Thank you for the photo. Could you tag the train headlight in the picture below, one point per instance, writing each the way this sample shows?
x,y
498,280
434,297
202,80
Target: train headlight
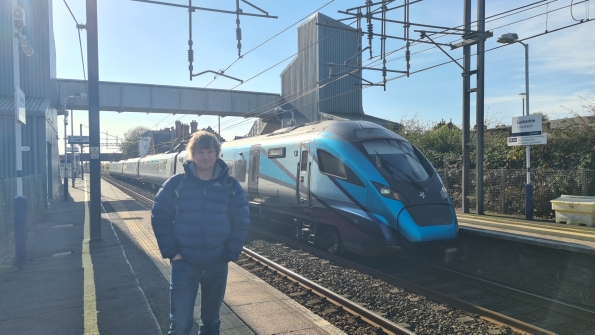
x,y
444,192
387,192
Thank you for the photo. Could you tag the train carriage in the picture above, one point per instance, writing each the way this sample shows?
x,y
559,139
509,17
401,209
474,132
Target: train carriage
x,y
346,184
343,185
154,170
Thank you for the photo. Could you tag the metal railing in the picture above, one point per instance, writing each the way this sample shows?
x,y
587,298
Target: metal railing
x,y
505,188
35,207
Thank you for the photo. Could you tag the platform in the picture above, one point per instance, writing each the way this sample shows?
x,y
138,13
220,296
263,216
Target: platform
x,y
542,233
120,284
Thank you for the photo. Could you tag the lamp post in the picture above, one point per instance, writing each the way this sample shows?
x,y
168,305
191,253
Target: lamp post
x,y
509,39
81,96
523,100
65,153
19,44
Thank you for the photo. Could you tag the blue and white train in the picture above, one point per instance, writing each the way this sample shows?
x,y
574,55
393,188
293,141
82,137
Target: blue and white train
x,y
343,185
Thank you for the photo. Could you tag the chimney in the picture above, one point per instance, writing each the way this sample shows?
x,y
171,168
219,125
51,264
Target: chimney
x,y
178,129
193,126
186,129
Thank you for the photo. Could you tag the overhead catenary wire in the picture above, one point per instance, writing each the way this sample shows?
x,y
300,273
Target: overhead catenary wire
x,y
498,27
78,28
495,17
220,95
244,121
500,14
421,70
241,57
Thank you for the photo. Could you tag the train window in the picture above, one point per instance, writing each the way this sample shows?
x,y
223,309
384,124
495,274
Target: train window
x,y
239,170
304,163
328,164
374,133
337,168
276,152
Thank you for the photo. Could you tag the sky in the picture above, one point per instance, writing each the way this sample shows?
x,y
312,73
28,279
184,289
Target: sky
x,y
147,43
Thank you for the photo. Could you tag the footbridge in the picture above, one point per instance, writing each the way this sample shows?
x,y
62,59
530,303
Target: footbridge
x,y
146,98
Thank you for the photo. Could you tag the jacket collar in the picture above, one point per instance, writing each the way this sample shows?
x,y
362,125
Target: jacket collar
x,y
220,173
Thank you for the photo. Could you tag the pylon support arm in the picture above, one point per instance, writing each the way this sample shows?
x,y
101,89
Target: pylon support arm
x,y
217,73
395,21
379,3
423,34
210,9
365,68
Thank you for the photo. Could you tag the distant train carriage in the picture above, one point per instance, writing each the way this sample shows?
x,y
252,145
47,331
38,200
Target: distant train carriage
x,y
156,169
130,169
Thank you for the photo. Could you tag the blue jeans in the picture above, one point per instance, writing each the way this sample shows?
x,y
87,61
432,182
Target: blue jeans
x,y
185,281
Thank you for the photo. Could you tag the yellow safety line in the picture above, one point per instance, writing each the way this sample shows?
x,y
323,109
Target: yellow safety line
x,y
566,231
89,297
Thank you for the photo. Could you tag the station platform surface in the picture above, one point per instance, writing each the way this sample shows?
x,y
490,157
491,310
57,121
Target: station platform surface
x,y
542,233
120,285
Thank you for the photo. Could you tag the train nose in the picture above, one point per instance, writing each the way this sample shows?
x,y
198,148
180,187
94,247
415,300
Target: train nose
x,y
427,222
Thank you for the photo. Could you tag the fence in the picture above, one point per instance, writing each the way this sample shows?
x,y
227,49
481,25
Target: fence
x,y
35,206
505,189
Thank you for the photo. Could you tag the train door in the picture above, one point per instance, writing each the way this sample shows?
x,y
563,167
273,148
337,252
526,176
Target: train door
x,y
254,174
303,190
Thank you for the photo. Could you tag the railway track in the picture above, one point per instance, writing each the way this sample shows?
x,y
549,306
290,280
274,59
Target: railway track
x,y
522,311
462,291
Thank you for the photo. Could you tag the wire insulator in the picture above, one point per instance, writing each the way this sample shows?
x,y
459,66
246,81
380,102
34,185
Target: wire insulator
x,y
407,55
370,36
191,56
239,34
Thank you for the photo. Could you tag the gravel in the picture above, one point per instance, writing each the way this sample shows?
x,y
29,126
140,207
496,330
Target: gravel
x,y
423,316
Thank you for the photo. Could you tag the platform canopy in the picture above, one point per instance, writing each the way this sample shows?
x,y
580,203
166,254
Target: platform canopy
x,y
145,98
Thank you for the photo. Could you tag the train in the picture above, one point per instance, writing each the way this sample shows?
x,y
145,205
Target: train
x,y
342,185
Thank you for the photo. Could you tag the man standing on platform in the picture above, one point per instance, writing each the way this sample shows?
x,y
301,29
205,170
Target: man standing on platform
x,y
200,218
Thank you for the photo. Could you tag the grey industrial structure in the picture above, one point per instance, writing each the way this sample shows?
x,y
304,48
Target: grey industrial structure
x,y
311,90
317,85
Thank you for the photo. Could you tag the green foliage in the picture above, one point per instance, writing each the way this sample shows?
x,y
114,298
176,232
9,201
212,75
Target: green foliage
x,y
440,143
571,143
129,146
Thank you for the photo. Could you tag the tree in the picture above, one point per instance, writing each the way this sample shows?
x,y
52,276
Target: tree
x,y
129,146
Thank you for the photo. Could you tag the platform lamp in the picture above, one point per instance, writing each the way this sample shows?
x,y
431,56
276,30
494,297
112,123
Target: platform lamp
x,y
509,39
79,96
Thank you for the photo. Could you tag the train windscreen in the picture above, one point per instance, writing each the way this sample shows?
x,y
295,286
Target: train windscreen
x,y
398,160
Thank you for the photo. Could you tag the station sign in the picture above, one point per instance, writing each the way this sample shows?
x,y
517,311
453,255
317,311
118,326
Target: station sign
x,y
527,125
69,149
78,139
527,140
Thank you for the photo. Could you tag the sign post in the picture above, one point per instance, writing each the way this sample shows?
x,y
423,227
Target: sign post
x,y
20,117
526,131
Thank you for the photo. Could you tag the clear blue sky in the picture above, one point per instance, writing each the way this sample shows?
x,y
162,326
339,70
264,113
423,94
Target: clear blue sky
x,y
147,43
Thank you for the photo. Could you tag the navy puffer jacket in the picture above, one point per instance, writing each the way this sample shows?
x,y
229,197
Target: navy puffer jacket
x,y
212,222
